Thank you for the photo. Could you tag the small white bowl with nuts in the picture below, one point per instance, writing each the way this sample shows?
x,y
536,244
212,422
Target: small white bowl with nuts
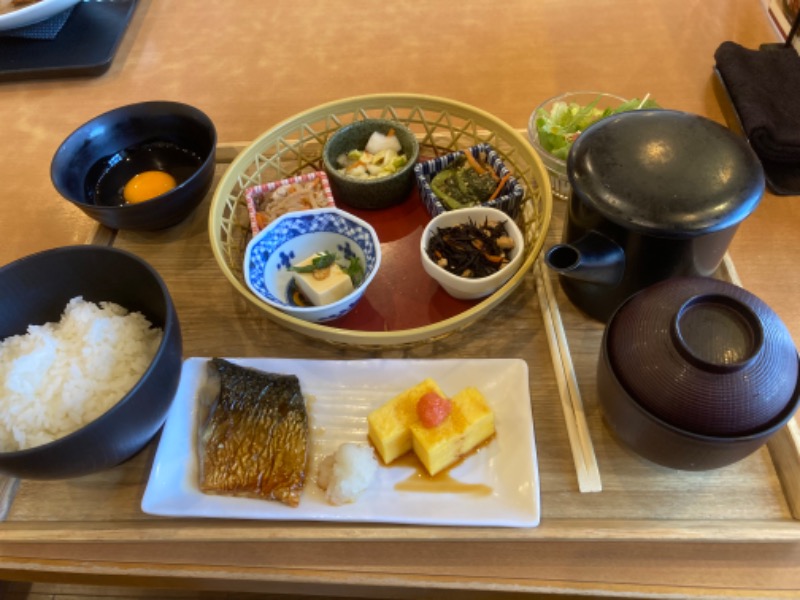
x,y
472,252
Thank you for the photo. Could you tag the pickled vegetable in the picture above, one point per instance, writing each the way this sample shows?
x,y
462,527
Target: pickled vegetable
x,y
382,156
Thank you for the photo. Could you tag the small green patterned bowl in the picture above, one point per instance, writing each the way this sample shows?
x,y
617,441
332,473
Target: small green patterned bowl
x,y
377,193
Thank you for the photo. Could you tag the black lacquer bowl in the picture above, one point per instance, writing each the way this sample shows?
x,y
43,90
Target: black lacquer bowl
x,y
92,166
34,290
696,373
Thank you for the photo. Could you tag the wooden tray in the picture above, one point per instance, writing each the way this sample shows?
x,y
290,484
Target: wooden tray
x,y
639,501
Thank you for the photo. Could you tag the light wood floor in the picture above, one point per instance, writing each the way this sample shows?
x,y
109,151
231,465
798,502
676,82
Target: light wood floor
x,y
49,591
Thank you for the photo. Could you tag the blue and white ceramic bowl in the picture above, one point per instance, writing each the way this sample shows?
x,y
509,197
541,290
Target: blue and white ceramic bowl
x,y
298,235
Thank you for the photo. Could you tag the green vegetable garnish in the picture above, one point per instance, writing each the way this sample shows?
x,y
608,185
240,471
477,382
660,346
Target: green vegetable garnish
x,y
352,267
559,128
320,261
355,270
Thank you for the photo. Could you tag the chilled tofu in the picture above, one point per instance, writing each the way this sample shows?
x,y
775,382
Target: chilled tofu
x,y
324,286
389,426
470,423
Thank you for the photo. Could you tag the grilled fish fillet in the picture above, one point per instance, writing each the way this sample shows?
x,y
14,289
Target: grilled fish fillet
x,y
254,440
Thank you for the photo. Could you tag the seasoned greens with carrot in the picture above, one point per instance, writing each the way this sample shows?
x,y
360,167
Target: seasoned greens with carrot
x,y
467,182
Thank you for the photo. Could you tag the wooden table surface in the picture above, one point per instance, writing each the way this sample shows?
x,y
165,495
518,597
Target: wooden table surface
x,y
251,64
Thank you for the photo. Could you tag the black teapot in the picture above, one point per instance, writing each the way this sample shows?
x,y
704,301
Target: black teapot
x,y
655,194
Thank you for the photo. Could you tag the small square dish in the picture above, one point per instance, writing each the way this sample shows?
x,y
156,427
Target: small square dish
x,y
496,485
438,199
268,201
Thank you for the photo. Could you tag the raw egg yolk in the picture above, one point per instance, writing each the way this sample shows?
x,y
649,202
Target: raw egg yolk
x,y
146,185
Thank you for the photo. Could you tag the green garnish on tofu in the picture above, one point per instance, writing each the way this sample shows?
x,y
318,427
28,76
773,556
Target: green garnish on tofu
x,y
323,260
352,267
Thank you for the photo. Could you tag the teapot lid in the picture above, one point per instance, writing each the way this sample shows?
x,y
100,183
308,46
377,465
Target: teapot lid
x,y
666,172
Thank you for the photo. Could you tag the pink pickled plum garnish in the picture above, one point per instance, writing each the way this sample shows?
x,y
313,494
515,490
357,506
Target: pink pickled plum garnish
x,y
432,409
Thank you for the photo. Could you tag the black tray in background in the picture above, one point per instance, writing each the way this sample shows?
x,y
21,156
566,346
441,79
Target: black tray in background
x,y
85,46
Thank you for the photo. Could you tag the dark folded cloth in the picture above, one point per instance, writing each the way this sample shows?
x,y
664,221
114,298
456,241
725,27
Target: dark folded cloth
x,y
764,86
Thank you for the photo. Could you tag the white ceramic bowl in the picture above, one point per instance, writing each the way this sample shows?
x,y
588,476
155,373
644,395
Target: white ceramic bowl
x,y
298,235
465,288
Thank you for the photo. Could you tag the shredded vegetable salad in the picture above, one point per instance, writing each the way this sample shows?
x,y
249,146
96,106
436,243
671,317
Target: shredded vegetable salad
x,y
560,127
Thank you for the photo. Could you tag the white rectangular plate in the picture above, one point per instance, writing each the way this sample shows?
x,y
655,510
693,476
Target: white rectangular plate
x,y
339,395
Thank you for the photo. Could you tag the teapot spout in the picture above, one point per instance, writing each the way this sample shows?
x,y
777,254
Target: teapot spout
x,y
594,258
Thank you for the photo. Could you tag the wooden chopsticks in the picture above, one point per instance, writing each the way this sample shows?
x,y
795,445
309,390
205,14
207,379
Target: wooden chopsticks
x,y
8,491
571,403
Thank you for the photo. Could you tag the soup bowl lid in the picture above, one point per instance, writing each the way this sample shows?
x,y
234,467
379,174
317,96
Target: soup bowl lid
x,y
704,355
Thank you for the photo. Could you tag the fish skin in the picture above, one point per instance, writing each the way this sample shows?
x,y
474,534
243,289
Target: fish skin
x,y
254,441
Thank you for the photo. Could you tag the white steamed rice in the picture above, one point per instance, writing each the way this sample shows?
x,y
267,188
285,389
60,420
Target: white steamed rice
x,y
59,376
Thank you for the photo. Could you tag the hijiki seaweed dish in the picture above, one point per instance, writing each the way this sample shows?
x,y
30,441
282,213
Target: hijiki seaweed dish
x,y
471,250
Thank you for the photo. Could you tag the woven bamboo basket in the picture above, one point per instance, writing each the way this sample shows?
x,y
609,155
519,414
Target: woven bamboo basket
x,y
295,146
